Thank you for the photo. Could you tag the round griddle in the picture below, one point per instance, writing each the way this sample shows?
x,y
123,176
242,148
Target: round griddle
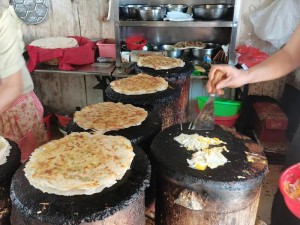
x,y
177,72
136,134
167,95
8,169
81,208
234,175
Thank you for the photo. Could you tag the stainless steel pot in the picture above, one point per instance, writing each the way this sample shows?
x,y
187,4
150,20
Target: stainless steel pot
x,y
210,11
130,11
169,50
210,49
175,8
151,13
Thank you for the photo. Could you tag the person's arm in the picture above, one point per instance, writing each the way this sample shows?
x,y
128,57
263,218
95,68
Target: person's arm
x,y
10,89
277,65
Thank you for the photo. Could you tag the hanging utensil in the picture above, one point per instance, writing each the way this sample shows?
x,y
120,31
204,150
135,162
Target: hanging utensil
x,y
31,12
205,119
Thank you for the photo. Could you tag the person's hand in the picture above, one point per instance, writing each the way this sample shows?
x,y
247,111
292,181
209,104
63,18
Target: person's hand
x,y
231,78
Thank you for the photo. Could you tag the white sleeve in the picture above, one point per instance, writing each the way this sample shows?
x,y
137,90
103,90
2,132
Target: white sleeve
x,y
11,43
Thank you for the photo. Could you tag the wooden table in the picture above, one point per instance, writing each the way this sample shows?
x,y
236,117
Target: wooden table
x,y
66,90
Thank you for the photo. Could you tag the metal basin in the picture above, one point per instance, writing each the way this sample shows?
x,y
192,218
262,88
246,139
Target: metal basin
x,y
130,11
152,13
175,8
210,49
170,50
210,11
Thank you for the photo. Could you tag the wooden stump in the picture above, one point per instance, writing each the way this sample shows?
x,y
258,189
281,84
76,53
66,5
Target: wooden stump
x,y
224,195
241,209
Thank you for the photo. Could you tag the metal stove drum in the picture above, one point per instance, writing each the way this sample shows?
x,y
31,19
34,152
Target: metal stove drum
x,y
120,204
228,194
172,111
7,171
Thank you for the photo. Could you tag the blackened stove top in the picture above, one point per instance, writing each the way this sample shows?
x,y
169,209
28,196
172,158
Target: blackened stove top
x,y
236,174
136,134
67,210
159,97
177,73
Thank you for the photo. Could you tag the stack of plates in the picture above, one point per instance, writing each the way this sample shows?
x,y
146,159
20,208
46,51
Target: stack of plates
x,y
178,16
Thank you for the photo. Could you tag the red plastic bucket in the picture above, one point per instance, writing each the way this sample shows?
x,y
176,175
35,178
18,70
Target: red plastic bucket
x,y
227,121
289,176
135,43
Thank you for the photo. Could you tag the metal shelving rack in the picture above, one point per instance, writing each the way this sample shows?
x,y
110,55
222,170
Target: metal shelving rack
x,y
217,30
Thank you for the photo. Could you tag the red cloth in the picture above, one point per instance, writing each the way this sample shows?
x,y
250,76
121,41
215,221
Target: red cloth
x,y
67,57
250,56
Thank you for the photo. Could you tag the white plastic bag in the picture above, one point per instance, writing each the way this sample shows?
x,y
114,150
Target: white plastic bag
x,y
276,22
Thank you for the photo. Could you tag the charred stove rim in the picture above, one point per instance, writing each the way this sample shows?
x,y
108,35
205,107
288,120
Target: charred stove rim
x,y
13,162
140,159
185,181
177,73
171,159
151,121
144,99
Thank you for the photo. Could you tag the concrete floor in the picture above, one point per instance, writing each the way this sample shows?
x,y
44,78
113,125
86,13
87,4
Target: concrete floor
x,y
269,188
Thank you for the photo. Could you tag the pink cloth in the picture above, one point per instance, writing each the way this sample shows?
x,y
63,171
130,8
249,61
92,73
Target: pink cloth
x,y
23,124
67,57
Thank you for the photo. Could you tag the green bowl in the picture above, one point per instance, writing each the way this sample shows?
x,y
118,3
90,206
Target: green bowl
x,y
223,107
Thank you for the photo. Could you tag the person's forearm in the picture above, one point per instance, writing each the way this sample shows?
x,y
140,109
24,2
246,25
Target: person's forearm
x,y
10,90
276,66
280,64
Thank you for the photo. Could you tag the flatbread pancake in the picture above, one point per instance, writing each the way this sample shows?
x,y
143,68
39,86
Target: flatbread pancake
x,y
159,62
139,84
55,42
4,150
79,163
107,116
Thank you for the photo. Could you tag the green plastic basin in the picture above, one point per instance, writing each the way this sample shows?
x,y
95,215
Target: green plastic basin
x,y
223,107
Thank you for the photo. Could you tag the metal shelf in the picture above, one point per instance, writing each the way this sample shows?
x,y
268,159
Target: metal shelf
x,y
198,28
177,24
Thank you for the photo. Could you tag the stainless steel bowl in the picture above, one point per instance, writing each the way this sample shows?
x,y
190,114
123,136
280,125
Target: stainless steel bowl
x,y
170,50
209,11
151,13
130,11
175,8
210,49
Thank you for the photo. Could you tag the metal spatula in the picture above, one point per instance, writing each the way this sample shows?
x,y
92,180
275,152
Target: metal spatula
x,y
205,119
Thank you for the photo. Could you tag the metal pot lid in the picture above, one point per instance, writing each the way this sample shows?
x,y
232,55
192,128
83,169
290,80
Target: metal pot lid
x,y
31,11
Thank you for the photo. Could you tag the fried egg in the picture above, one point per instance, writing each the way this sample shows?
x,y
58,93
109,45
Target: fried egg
x,y
207,153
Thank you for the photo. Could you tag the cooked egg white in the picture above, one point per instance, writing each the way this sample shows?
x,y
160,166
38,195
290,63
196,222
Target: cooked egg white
x,y
205,156
195,142
211,158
